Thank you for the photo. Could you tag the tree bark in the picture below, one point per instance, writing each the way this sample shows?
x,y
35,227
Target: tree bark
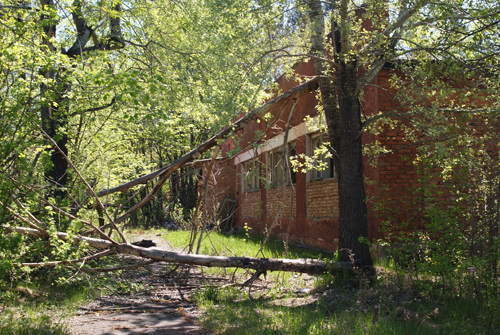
x,y
340,99
51,119
353,223
311,266
326,82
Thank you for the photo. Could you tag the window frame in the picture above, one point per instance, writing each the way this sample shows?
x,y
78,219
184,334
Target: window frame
x,y
250,175
313,142
277,169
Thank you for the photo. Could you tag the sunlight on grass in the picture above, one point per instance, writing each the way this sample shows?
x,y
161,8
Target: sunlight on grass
x,y
240,244
231,311
395,304
12,324
33,308
40,307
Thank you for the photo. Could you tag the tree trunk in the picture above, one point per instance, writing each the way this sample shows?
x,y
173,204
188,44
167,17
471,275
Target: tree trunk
x,y
51,117
353,224
311,266
53,122
326,83
343,117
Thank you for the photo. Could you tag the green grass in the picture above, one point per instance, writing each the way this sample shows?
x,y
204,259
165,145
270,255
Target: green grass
x,y
394,305
365,311
40,303
34,323
34,308
240,244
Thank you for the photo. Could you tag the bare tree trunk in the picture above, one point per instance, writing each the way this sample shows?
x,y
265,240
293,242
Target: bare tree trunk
x,y
343,115
311,266
326,83
353,223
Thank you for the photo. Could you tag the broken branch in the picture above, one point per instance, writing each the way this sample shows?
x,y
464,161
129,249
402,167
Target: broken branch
x,y
210,143
311,266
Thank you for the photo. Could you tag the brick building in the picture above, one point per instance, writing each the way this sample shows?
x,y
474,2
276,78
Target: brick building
x,y
303,205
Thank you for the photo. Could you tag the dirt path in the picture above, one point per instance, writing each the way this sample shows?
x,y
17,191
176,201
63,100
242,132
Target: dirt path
x,y
160,306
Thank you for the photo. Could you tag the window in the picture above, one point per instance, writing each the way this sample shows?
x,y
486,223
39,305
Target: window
x,y
278,167
322,160
250,174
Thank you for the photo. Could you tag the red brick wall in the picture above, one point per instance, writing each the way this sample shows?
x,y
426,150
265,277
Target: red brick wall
x,y
315,204
397,172
251,206
278,202
322,199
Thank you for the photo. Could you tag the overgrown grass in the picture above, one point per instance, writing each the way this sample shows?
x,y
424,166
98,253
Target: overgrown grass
x,y
39,302
39,308
32,323
239,244
396,304
382,309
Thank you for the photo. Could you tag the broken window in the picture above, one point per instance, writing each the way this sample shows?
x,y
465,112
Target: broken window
x,y
250,174
278,168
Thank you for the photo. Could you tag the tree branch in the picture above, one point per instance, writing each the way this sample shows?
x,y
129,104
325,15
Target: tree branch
x,y
96,109
308,85
71,261
91,190
403,17
311,266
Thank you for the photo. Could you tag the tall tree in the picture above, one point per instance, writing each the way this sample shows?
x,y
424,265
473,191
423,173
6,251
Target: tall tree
x,y
350,42
55,111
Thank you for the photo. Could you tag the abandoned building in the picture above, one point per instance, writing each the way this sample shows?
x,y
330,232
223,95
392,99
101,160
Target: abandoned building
x,y
251,184
252,181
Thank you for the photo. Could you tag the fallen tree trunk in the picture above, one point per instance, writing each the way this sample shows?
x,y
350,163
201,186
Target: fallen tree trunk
x,y
311,266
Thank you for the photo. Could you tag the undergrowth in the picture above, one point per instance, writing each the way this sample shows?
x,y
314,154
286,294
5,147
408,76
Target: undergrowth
x,y
389,307
38,302
398,302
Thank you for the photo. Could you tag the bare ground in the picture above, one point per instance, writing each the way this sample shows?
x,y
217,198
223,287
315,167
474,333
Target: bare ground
x,y
160,305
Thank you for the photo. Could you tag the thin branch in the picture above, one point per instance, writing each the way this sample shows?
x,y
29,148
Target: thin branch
x,y
96,109
72,217
205,192
385,115
403,17
41,231
254,277
119,268
16,7
288,170
309,85
31,216
91,190
71,261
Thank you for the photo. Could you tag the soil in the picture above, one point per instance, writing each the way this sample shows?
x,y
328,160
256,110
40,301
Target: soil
x,y
160,305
